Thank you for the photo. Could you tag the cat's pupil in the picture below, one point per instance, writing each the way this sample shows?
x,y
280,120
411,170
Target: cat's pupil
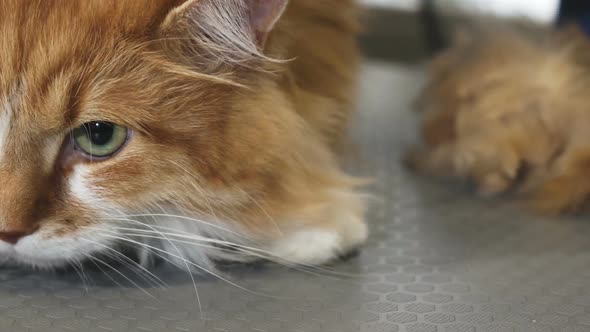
x,y
99,133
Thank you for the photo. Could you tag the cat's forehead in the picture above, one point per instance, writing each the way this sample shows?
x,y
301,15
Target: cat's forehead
x,y
49,47
38,36
111,14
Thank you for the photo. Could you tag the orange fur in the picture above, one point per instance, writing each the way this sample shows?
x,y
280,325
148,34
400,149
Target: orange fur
x,y
509,111
250,142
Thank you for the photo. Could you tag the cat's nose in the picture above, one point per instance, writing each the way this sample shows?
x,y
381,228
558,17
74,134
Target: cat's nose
x,y
14,236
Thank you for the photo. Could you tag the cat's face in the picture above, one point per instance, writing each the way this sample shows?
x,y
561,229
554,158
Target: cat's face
x,y
101,119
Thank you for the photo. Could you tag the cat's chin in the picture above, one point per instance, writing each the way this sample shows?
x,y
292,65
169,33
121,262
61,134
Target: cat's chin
x,y
26,262
43,251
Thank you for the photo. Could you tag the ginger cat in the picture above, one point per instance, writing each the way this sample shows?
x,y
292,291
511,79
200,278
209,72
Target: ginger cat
x,y
510,111
190,130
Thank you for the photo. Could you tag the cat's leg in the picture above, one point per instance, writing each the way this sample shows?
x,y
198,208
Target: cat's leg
x,y
323,232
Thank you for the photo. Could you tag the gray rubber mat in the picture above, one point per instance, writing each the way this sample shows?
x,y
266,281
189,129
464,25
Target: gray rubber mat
x,y
438,260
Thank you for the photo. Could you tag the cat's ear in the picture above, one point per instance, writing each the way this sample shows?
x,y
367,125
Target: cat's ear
x,y
229,30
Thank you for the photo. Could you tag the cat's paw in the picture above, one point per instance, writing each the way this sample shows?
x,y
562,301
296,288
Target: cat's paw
x,y
492,166
309,247
323,242
317,246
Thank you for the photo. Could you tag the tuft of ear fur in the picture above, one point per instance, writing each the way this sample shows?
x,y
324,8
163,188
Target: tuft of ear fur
x,y
216,32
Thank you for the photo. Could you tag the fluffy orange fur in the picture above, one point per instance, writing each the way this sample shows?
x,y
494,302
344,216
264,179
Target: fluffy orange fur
x,y
234,127
508,110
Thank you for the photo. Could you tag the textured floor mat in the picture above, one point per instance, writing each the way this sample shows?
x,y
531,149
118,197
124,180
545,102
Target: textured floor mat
x,y
438,260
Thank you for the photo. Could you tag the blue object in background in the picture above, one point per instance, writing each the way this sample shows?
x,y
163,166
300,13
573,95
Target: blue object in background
x,y
575,11
585,23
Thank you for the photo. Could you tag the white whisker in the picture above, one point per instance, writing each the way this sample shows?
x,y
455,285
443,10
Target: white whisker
x,y
80,271
252,251
177,217
255,201
188,270
104,272
261,253
190,178
195,265
122,275
131,264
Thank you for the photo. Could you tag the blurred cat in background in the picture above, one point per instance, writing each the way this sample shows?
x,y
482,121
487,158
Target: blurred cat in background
x,y
511,111
190,130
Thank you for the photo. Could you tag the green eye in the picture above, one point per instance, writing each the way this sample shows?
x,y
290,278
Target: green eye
x,y
100,139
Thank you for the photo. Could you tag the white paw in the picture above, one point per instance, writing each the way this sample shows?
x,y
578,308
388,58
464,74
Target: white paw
x,y
308,247
334,230
315,246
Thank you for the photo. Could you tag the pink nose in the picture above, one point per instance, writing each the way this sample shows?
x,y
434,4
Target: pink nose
x,y
14,237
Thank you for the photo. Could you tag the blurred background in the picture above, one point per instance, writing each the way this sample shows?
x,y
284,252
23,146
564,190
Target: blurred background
x,y
422,26
543,11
